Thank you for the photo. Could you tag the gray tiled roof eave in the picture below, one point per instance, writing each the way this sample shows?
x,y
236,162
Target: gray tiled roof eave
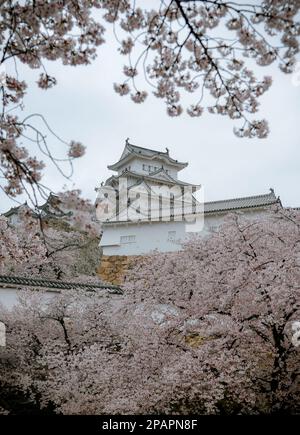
x,y
241,203
52,284
157,153
132,153
150,177
222,210
225,206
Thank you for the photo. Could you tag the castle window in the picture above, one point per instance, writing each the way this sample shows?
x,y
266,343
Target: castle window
x,y
127,239
171,236
172,204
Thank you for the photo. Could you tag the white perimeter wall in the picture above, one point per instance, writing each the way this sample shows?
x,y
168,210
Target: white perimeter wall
x,y
156,235
9,296
148,237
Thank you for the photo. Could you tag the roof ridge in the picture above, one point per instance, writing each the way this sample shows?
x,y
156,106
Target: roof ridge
x,y
136,150
243,197
41,282
140,181
147,149
145,176
162,169
24,204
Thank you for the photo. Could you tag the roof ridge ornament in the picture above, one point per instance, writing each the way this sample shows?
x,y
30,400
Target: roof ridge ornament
x,y
132,151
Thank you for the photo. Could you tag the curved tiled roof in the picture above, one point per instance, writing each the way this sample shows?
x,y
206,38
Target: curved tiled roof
x,y
151,176
147,152
227,205
15,210
134,150
55,284
168,176
47,210
240,203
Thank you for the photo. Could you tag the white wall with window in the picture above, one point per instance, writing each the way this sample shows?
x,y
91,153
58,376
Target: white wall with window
x,y
142,238
127,239
145,166
137,239
171,236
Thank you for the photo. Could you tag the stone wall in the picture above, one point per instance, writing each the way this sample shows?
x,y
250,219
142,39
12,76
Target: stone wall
x,y
113,268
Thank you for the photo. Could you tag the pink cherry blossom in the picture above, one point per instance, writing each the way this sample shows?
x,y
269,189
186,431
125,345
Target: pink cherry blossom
x,y
76,150
207,330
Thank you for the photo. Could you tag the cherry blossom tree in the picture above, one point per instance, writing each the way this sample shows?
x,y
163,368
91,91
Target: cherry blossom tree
x,y
72,239
205,48
201,47
21,249
205,330
61,241
31,33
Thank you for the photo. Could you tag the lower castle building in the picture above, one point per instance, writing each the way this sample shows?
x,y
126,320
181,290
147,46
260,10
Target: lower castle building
x,y
145,207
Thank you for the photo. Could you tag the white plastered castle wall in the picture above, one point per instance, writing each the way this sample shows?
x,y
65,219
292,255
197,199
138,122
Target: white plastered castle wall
x,y
126,234
141,166
143,238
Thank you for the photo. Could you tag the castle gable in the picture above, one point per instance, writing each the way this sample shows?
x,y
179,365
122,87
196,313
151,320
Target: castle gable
x,y
154,159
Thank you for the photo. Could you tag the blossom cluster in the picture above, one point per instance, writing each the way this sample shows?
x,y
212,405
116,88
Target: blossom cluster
x,y
207,330
32,32
58,240
181,46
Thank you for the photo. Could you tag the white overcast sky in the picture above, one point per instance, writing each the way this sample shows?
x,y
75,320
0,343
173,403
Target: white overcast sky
x,y
84,107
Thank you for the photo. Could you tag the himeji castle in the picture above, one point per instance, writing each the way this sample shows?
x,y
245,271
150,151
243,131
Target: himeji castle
x,y
145,207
